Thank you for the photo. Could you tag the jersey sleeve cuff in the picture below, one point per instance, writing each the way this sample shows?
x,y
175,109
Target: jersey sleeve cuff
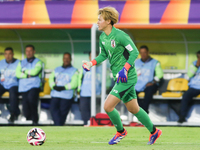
x,y
127,66
94,62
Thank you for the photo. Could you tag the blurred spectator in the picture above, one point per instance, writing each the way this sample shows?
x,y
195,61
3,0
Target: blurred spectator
x,y
29,72
149,74
194,88
63,80
9,82
85,90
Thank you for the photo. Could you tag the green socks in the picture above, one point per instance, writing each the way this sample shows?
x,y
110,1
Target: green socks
x,y
115,118
145,120
141,115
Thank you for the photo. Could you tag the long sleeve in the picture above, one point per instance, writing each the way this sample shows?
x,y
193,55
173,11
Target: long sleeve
x,y
191,70
51,80
158,72
36,70
130,47
80,77
74,82
19,73
102,55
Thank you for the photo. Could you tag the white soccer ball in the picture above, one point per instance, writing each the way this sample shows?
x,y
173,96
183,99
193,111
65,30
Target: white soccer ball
x,y
36,137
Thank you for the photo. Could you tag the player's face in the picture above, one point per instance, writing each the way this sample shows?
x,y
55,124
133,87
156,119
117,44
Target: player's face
x,y
144,54
102,24
30,52
8,55
66,60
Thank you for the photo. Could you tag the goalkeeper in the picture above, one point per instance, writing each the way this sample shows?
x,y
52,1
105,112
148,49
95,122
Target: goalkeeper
x,y
118,47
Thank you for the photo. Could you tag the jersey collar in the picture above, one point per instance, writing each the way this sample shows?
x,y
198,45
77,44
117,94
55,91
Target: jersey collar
x,y
111,33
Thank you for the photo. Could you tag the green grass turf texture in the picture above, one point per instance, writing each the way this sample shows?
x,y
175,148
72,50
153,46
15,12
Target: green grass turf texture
x,y
96,138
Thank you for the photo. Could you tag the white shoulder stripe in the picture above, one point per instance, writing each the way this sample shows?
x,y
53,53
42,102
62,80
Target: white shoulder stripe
x,y
129,47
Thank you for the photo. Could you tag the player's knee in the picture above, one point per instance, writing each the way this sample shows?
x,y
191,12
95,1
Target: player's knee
x,y
134,111
107,108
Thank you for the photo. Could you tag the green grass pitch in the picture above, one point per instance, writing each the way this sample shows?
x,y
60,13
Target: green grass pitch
x,y
96,138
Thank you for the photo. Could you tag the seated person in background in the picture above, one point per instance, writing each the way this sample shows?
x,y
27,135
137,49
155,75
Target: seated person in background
x,y
63,80
150,74
29,72
9,82
194,88
84,87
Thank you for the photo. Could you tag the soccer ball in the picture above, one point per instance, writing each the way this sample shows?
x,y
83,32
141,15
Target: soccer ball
x,y
36,136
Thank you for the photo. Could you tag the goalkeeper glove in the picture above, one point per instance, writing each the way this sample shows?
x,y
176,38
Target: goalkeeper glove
x,y
87,65
122,75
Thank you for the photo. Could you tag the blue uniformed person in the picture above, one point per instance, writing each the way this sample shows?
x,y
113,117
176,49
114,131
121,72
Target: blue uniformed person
x,y
194,88
9,81
150,74
84,87
29,72
63,81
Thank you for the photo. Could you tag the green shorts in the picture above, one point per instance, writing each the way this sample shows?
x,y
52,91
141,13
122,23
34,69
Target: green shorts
x,y
125,91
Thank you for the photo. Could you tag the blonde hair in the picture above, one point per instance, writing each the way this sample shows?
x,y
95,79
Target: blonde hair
x,y
109,13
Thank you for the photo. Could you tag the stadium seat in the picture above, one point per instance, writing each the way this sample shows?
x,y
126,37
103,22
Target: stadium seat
x,y
141,94
47,89
6,94
176,87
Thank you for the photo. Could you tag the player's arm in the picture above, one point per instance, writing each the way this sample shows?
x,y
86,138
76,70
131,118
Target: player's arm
x,y
102,55
19,73
80,78
192,70
128,44
158,73
99,59
35,71
74,82
130,47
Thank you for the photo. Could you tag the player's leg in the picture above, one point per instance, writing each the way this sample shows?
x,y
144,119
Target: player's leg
x,y
109,107
130,100
118,91
143,117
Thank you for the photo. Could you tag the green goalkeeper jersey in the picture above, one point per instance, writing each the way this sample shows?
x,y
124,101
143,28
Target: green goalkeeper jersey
x,y
119,49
